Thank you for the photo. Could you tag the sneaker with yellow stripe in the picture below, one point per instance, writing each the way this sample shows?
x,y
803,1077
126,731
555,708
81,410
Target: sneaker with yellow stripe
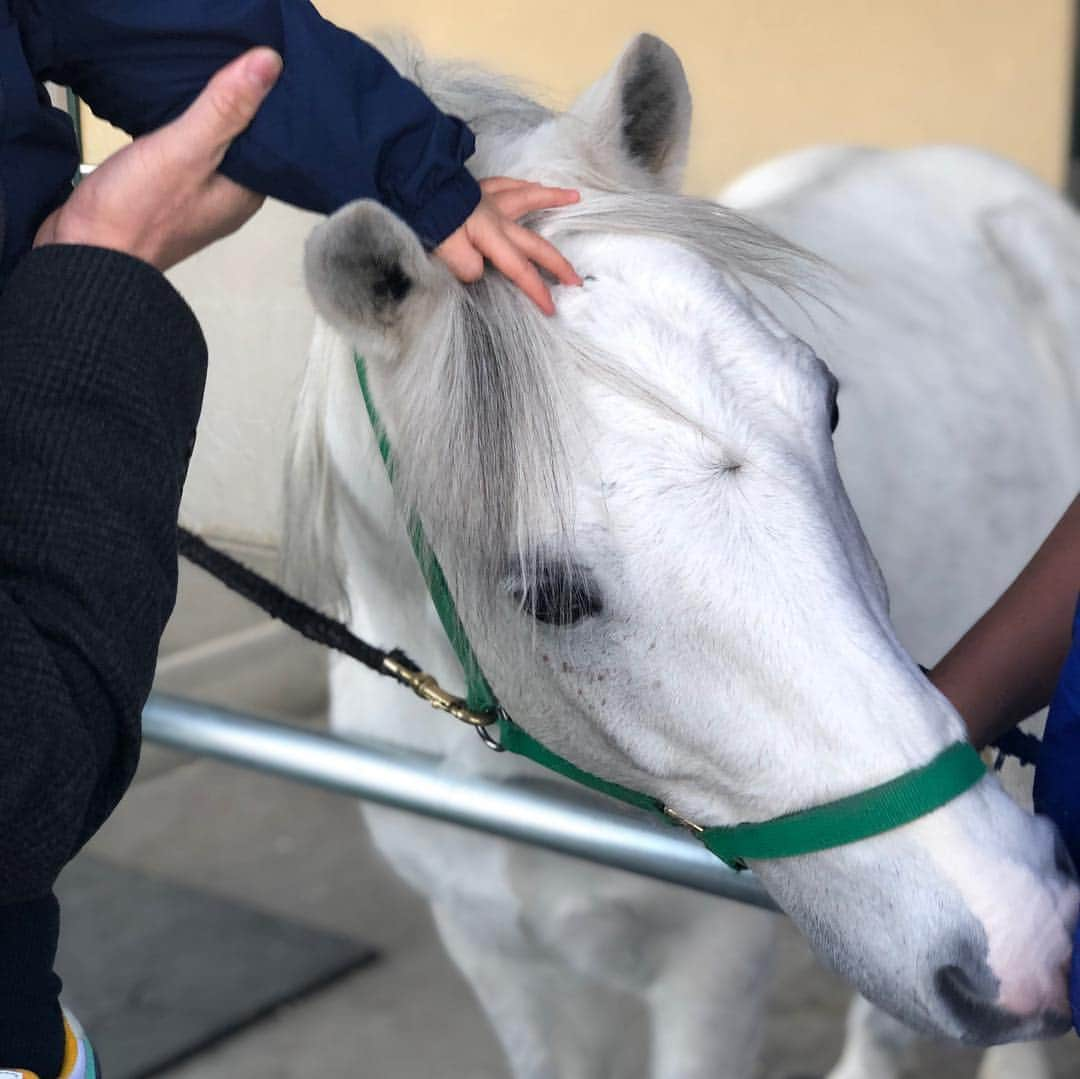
x,y
79,1059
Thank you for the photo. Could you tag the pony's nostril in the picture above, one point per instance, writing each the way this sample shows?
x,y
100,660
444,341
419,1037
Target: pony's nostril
x,y
969,986
970,992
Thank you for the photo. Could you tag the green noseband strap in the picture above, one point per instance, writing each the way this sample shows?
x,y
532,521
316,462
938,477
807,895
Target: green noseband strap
x,y
834,824
859,816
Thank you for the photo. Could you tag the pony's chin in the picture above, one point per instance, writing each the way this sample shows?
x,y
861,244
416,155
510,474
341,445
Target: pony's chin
x,y
999,1026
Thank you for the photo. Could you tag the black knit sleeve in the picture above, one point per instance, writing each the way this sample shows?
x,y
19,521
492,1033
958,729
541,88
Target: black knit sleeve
x,y
102,368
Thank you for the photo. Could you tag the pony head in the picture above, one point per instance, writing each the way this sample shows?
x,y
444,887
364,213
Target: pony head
x,y
638,508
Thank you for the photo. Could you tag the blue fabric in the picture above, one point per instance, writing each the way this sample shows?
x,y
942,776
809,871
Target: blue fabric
x,y
1057,778
340,124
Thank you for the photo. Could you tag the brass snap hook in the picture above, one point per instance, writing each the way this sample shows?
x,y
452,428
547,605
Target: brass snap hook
x,y
428,689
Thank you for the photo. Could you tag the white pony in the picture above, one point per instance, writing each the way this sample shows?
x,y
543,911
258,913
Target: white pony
x,y
638,508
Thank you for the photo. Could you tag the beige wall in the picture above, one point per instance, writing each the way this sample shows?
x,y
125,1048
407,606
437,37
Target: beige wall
x,y
772,75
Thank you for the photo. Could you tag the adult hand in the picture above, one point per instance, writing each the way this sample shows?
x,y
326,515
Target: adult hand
x,y
161,198
491,231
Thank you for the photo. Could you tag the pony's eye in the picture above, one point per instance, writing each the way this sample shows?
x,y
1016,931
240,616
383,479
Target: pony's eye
x,y
559,596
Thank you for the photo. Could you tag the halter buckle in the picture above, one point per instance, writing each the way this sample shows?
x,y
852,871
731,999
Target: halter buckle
x,y
681,821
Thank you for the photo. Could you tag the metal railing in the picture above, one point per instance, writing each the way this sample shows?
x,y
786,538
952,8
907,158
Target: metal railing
x,y
544,814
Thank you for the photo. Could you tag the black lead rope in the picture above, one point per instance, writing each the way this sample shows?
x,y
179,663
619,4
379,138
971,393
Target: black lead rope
x,y
1020,744
277,603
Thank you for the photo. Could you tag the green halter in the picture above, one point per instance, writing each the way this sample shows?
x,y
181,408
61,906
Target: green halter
x,y
833,824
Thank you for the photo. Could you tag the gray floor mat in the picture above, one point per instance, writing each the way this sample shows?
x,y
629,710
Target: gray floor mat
x,y
156,971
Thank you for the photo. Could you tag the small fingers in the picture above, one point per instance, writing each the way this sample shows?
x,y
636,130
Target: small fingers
x,y
516,202
506,257
543,253
493,185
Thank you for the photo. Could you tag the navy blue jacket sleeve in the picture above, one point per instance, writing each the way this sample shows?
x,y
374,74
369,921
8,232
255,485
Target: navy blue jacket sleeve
x,y
340,124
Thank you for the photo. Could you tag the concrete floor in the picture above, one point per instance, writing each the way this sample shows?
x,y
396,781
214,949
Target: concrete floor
x,y
301,853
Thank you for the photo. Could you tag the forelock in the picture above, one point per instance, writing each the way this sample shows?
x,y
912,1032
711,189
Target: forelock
x,y
729,242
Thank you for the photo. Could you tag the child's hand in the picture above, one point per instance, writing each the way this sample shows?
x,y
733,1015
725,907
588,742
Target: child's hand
x,y
491,231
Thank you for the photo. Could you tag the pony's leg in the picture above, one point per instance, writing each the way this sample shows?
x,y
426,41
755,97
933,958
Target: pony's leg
x,y
875,1044
552,1022
708,1003
1021,1060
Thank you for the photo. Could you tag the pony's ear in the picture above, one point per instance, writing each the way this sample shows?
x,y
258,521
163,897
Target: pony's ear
x,y
367,272
633,125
